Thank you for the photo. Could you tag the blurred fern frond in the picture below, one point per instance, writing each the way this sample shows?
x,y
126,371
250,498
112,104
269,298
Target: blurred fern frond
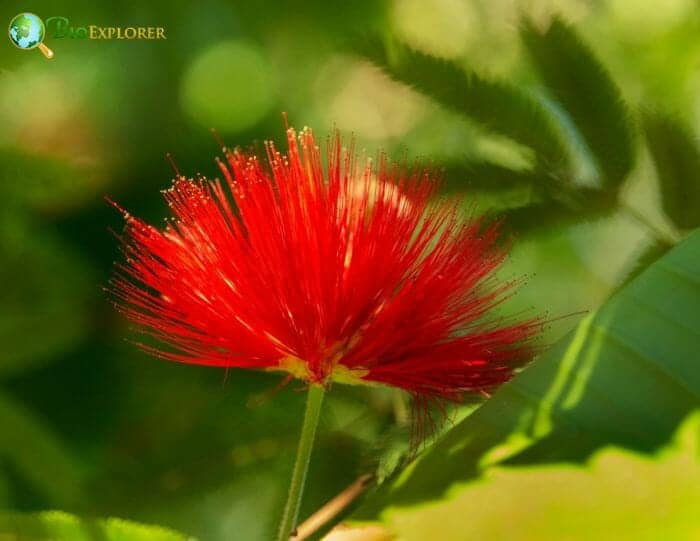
x,y
676,157
495,105
582,85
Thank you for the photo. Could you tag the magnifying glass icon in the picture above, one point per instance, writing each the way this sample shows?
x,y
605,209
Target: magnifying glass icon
x,y
27,31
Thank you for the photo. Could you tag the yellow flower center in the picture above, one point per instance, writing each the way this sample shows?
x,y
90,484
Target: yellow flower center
x,y
340,373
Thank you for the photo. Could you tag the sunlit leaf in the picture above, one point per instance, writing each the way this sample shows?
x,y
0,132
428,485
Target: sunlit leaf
x,y
676,156
584,87
618,494
59,526
626,376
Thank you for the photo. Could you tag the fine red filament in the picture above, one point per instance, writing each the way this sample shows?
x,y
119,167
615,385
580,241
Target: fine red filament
x,y
346,271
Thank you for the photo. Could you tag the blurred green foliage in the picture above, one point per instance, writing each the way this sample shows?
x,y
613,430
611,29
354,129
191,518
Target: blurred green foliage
x,y
617,494
575,121
58,526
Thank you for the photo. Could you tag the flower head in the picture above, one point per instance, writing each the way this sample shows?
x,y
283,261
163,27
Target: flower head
x,y
347,272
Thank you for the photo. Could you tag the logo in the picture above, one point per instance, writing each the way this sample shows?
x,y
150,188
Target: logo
x,y
27,31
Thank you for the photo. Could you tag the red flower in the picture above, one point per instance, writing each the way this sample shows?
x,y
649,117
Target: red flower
x,y
352,273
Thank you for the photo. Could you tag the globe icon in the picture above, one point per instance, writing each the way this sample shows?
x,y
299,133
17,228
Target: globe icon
x,y
27,32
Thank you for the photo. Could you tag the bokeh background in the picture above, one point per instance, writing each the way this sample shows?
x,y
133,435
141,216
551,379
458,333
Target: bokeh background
x,y
90,425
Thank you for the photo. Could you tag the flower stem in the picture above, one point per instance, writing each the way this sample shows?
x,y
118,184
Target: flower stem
x,y
314,399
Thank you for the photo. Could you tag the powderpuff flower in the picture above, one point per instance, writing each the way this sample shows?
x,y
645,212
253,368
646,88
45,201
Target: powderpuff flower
x,y
330,271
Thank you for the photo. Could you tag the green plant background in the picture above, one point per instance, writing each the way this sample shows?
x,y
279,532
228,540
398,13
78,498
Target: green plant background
x,y
576,121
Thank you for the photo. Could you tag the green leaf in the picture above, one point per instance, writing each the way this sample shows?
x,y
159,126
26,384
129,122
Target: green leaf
x,y
627,375
59,526
584,87
36,454
676,156
617,495
646,257
495,105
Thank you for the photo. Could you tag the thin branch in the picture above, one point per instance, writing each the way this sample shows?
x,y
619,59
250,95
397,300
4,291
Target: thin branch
x,y
333,508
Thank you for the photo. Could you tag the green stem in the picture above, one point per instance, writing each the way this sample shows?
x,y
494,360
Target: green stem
x,y
314,399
